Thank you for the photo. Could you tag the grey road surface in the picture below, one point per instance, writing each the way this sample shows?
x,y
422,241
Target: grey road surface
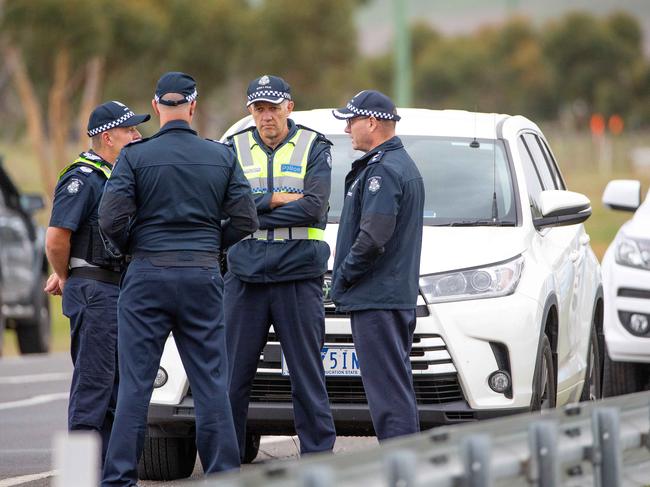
x,y
33,407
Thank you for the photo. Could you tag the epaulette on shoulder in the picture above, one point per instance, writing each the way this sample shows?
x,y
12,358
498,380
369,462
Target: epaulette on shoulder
x,y
77,169
227,143
139,141
319,136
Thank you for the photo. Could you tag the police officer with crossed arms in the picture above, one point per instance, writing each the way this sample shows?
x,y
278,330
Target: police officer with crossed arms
x,y
276,275
163,206
85,273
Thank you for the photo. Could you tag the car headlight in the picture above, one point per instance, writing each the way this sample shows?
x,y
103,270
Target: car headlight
x,y
632,252
482,282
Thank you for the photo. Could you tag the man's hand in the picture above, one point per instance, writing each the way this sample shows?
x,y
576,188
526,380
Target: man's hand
x,y
281,199
54,285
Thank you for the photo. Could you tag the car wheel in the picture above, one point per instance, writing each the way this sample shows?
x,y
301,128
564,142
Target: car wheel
x,y
544,379
167,458
592,389
34,333
623,377
252,447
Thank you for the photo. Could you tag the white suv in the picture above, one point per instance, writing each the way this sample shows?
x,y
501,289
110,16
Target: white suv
x,y
626,283
510,306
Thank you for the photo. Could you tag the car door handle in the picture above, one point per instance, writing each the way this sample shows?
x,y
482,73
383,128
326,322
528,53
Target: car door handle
x,y
585,239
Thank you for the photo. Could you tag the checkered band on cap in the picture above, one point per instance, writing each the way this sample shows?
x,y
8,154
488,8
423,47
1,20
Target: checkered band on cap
x,y
370,113
188,98
269,93
111,125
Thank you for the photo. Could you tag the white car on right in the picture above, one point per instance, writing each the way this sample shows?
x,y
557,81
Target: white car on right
x,y
626,288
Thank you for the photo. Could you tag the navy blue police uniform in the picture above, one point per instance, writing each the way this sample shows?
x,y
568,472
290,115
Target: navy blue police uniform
x,y
163,206
276,276
376,268
91,291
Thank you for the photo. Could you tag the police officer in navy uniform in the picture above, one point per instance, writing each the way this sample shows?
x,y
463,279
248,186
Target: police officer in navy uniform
x,y
276,275
163,206
377,260
85,273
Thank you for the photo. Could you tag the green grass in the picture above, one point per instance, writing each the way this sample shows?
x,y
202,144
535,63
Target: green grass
x,y
576,152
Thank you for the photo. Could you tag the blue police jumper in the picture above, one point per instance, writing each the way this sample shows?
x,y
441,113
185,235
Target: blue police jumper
x,y
163,205
375,278
280,282
91,305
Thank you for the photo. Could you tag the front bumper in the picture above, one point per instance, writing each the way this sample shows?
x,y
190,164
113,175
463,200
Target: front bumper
x,y
626,289
277,418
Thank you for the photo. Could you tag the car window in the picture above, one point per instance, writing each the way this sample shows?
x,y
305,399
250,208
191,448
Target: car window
x,y
552,164
460,180
548,182
532,177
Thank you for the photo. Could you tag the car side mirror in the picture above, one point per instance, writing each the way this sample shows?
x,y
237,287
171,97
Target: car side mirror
x,y
560,208
30,203
622,194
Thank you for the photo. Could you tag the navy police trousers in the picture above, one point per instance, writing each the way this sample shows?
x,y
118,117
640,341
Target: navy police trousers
x,y
154,301
91,307
295,309
383,340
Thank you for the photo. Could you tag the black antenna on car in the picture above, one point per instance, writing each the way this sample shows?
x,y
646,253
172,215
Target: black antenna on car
x,y
495,208
474,144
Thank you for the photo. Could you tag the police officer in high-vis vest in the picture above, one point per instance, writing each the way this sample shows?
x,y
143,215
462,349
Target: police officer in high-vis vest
x,y
377,260
163,206
276,275
85,273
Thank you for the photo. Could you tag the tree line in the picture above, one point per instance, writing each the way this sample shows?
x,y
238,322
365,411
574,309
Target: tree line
x,y
60,59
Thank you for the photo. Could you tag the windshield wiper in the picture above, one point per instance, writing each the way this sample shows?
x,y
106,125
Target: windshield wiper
x,y
481,223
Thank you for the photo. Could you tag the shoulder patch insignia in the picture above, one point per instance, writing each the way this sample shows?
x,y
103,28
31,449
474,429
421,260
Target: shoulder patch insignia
x,y
85,169
328,160
374,184
74,185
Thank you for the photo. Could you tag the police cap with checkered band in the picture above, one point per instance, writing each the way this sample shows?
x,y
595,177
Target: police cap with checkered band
x,y
110,115
272,89
175,82
368,103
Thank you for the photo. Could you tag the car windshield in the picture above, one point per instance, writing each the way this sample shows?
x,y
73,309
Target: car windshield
x,y
460,178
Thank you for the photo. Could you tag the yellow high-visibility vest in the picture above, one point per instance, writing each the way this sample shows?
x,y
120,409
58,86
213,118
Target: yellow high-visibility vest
x,y
82,160
289,169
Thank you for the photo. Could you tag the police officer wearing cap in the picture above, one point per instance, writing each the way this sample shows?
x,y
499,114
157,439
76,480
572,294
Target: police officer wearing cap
x,y
163,206
276,275
377,260
85,273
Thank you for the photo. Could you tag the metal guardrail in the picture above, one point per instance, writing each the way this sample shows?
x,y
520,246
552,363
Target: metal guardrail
x,y
601,444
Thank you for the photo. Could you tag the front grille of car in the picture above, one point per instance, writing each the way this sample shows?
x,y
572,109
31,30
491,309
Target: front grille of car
x,y
434,374
349,390
429,354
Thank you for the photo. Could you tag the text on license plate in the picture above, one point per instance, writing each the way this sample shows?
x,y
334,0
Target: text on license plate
x,y
337,361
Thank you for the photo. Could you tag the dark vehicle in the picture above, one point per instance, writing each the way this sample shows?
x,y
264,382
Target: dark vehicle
x,y
24,306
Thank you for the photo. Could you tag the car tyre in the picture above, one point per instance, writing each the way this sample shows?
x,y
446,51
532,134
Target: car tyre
x,y
592,388
34,334
167,458
252,447
623,377
544,380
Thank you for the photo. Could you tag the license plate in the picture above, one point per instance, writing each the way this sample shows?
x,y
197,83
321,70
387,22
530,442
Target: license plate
x,y
337,361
